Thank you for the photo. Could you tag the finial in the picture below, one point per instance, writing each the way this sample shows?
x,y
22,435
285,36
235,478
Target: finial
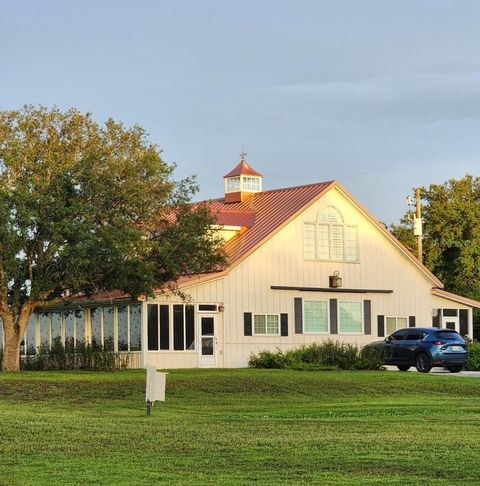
x,y
243,155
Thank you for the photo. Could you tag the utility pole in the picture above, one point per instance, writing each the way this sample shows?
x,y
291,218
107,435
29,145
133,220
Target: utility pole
x,y
417,224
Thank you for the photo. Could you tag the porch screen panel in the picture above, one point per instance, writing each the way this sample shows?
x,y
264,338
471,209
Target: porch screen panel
x,y
69,322
152,327
31,345
164,327
122,319
44,329
108,332
178,332
135,327
80,326
56,325
96,319
189,327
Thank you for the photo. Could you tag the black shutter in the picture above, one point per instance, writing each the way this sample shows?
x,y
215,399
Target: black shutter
x,y
247,324
381,326
463,322
284,324
411,321
298,316
333,317
367,316
436,319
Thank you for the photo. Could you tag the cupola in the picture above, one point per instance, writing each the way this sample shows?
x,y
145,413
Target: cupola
x,y
242,182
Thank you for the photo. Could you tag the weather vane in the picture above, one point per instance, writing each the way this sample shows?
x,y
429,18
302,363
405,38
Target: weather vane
x,y
243,155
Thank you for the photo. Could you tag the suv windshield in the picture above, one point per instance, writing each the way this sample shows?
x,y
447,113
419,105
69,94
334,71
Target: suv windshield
x,y
449,335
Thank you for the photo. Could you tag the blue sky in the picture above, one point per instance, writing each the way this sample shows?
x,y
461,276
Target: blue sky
x,y
380,95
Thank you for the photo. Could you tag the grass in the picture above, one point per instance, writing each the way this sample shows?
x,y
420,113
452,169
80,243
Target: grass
x,y
268,427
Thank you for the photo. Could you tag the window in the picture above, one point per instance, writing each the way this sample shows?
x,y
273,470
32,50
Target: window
x,y
181,327
414,335
329,238
398,336
207,308
450,312
251,183
350,317
315,316
394,323
232,184
266,324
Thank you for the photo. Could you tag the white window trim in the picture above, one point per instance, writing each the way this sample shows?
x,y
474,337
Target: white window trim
x,y
361,302
265,314
303,317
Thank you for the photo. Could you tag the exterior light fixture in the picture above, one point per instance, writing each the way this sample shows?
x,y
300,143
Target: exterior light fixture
x,y
335,280
221,308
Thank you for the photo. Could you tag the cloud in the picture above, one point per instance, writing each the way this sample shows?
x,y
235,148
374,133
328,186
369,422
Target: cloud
x,y
420,98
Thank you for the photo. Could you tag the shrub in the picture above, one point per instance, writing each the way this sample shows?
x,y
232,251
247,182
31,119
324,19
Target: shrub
x,y
473,363
268,359
83,356
326,355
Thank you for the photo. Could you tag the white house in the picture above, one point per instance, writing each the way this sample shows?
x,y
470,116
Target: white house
x,y
305,264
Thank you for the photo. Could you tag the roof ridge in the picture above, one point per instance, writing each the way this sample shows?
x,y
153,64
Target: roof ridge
x,y
273,190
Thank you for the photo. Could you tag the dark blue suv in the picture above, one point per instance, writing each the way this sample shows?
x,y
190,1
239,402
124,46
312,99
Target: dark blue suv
x,y
424,348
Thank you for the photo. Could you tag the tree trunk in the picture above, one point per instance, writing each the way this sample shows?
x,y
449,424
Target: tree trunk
x,y
11,349
13,335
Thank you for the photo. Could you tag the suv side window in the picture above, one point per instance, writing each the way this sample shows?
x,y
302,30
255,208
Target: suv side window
x,y
398,336
414,335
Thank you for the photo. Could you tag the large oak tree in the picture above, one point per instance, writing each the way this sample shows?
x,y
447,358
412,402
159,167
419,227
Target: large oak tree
x,y
86,207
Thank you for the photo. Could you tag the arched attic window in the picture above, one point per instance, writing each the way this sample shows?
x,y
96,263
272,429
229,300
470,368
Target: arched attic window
x,y
329,238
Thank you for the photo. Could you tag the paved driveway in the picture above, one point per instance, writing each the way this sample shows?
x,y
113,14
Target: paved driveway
x,y
440,371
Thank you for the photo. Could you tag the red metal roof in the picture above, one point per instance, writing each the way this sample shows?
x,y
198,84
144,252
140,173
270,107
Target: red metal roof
x,y
268,211
243,169
235,218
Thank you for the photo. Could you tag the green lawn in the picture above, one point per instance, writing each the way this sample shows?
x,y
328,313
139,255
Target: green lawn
x,y
240,427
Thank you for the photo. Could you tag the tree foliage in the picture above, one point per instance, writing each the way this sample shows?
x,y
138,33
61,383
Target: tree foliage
x,y
87,207
451,241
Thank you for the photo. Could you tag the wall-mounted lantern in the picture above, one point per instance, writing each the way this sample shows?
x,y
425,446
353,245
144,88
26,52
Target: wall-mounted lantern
x,y
221,308
335,280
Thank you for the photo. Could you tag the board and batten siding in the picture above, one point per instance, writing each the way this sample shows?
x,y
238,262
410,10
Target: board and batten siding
x,y
280,262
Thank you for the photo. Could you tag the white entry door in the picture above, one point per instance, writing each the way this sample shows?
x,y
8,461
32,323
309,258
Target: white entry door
x,y
208,340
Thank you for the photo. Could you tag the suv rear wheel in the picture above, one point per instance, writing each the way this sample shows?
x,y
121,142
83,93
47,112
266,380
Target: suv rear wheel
x,y
455,368
422,363
403,367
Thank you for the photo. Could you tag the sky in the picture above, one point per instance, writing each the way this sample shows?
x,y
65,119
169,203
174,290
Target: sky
x,y
380,95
